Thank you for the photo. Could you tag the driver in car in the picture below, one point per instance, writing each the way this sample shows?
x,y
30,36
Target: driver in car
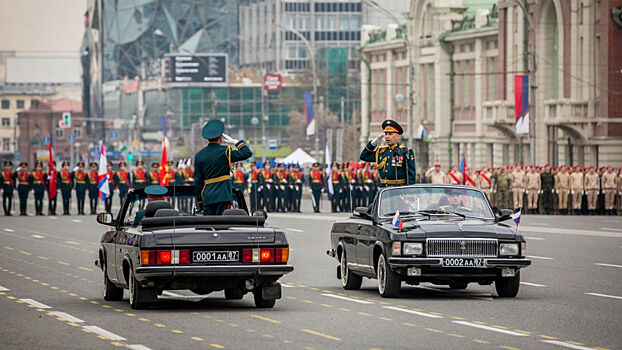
x,y
154,193
453,201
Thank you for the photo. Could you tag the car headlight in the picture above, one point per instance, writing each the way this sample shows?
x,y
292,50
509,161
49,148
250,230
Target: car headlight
x,y
413,248
508,249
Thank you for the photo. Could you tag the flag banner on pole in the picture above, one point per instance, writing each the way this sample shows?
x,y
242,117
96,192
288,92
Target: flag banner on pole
x,y
397,220
52,186
521,103
424,134
329,170
164,123
164,173
102,174
309,113
516,217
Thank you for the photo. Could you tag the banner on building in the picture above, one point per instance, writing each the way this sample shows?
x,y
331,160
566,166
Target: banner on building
x,y
521,103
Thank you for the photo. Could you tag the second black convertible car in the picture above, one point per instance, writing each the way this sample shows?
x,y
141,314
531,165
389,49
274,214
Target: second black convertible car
x,y
441,234
158,248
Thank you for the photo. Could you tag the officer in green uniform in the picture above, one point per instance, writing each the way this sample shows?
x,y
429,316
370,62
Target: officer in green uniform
x,y
502,190
212,168
37,183
65,180
154,193
337,181
23,188
92,178
547,183
317,179
395,162
8,177
81,184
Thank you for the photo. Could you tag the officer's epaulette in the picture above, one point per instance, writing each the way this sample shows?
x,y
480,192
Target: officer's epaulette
x,y
402,146
381,148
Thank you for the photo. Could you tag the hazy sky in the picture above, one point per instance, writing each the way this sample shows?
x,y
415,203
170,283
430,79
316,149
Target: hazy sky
x,y
42,27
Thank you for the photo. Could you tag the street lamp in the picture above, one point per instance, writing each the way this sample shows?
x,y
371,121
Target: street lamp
x,y
314,72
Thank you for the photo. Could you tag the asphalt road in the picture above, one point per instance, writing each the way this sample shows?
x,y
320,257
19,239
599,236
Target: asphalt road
x,y
571,297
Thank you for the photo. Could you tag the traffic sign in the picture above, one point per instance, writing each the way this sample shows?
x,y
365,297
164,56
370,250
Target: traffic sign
x,y
272,82
272,143
114,134
18,156
71,137
45,140
65,121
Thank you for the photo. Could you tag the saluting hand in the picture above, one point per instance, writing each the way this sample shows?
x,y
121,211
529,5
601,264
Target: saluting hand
x,y
377,140
226,139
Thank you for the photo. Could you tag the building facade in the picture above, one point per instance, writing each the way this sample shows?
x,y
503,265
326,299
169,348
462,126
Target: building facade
x,y
466,54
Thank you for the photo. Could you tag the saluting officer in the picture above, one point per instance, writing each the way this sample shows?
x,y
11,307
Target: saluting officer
x,y
23,187
212,173
65,180
93,189
8,184
37,183
395,163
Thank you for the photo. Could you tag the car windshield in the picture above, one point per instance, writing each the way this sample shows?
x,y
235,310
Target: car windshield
x,y
434,200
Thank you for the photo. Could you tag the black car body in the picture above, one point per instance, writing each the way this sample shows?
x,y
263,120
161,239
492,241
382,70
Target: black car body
x,y
169,250
435,244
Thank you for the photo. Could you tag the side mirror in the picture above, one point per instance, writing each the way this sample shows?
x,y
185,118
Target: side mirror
x,y
105,219
361,212
260,212
504,214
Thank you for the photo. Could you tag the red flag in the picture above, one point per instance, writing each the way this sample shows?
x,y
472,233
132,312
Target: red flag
x,y
164,173
52,186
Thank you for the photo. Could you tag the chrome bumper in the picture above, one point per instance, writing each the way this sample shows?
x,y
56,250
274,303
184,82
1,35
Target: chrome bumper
x,y
488,262
207,271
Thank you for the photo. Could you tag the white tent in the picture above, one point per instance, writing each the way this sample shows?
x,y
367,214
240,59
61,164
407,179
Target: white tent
x,y
298,156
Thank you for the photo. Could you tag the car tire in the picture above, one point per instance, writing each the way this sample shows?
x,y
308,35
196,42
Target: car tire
x,y
507,287
233,294
136,292
260,302
111,292
458,285
389,282
349,280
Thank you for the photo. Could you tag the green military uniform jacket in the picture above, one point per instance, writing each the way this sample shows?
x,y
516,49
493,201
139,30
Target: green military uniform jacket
x,y
212,171
393,170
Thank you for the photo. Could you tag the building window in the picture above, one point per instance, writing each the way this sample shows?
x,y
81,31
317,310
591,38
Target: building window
x,y
77,132
6,104
6,122
6,144
20,104
59,132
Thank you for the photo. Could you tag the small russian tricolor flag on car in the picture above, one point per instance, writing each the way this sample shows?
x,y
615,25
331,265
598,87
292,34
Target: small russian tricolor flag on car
x,y
516,217
397,221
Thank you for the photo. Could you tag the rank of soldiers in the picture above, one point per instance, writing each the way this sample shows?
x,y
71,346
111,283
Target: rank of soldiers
x,y
543,189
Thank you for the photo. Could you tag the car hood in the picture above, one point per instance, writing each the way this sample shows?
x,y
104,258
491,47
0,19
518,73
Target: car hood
x,y
470,228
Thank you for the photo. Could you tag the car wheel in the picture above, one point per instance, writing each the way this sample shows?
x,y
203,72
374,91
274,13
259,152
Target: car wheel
x,y
507,287
233,294
111,292
261,302
136,292
458,285
349,280
388,281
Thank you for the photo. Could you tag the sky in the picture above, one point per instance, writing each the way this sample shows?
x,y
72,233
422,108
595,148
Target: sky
x,y
42,27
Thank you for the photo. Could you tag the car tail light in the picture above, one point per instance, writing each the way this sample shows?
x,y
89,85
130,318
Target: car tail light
x,y
247,255
164,257
267,255
184,256
147,257
281,255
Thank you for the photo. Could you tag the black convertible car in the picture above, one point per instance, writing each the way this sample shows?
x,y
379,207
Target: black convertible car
x,y
443,234
156,248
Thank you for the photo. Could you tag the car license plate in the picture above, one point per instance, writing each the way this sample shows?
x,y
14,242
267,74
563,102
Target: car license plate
x,y
463,262
231,255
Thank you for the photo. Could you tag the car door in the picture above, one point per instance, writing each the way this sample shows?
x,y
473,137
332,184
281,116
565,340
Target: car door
x,y
365,244
350,240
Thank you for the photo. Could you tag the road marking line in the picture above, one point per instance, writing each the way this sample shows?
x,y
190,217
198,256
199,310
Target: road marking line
x,y
533,284
455,335
43,258
604,295
539,257
137,347
37,236
67,317
608,265
287,286
72,242
611,229
295,230
265,319
9,230
177,331
35,303
217,346
3,289
412,312
52,217
409,324
433,330
535,238
76,220
63,263
346,298
9,248
84,268
508,347
104,333
481,341
567,345
504,331
321,334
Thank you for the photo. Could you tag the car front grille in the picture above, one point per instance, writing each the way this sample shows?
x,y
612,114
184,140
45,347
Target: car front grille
x,y
440,247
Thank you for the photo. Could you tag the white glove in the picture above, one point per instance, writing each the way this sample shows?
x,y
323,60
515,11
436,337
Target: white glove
x,y
552,190
226,139
539,191
526,191
572,192
557,191
584,193
377,140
